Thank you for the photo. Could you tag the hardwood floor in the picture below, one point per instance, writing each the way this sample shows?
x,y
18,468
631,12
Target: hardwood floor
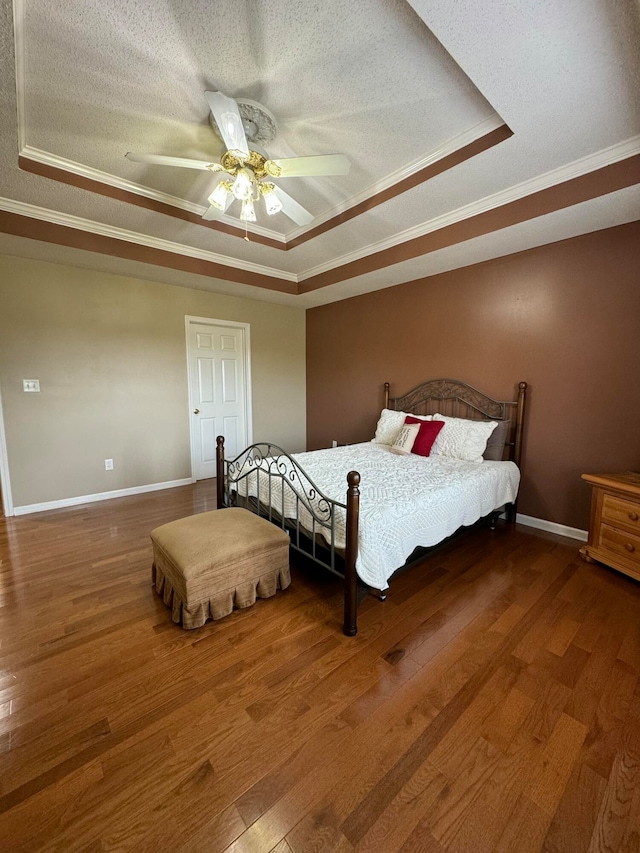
x,y
492,703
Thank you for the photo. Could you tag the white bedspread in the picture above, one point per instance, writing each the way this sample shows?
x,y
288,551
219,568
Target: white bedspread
x,y
405,501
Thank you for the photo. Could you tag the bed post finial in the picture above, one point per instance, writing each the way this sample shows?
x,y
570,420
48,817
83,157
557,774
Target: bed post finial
x,y
350,625
220,471
386,395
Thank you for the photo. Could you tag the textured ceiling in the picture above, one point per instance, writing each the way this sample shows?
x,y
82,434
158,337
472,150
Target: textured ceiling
x,y
367,79
395,86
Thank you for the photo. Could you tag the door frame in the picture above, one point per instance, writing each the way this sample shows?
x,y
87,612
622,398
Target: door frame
x,y
5,482
246,348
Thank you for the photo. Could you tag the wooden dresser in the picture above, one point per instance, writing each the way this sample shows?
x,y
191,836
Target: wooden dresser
x,y
614,529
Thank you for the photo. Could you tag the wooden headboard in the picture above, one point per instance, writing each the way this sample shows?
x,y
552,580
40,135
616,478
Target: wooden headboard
x,y
459,400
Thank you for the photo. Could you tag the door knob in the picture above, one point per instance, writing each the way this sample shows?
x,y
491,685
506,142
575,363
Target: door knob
x,y
196,411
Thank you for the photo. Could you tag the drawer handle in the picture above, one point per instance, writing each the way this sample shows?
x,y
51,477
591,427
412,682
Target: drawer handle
x,y
630,548
633,516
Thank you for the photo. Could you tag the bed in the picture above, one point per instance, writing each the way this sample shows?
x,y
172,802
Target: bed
x,y
395,503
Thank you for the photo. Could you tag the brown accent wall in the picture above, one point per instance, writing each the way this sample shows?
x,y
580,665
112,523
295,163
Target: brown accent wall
x,y
563,317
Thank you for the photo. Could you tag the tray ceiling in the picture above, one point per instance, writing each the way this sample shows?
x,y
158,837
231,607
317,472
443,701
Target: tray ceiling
x,y
445,114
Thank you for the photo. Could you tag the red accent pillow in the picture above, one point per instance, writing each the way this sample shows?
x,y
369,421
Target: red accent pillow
x,y
427,435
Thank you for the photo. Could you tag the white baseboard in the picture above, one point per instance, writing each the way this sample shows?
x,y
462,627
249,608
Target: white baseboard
x,y
100,496
528,520
552,527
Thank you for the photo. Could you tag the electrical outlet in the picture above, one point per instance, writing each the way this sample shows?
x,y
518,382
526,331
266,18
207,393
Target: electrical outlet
x,y
108,464
334,443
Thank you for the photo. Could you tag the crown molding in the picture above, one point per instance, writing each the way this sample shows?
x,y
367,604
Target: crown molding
x,y
572,170
37,155
48,159
451,146
69,221
590,163
600,160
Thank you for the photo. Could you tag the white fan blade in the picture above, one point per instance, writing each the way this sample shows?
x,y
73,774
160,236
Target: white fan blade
x,y
225,112
183,162
292,209
322,164
212,213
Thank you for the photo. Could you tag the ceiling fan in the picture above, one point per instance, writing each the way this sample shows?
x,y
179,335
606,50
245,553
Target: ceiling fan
x,y
246,172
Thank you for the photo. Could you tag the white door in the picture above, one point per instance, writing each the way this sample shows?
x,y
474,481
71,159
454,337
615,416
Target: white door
x,y
218,392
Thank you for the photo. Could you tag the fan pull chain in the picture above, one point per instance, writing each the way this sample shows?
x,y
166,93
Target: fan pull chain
x,y
246,233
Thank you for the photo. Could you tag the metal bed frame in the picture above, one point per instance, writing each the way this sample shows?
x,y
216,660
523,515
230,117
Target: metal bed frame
x,y
447,396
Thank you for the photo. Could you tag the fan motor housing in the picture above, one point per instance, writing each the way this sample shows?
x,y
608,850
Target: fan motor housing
x,y
258,122
230,163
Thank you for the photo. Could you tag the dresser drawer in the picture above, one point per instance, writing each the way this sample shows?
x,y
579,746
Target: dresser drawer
x,y
614,529
620,543
618,511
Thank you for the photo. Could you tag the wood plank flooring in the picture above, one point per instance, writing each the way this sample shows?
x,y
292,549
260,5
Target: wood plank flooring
x,y
492,703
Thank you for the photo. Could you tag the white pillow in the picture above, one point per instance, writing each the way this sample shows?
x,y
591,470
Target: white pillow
x,y
461,438
390,424
405,439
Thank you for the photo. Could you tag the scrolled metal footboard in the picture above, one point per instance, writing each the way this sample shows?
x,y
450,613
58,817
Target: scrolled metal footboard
x,y
267,480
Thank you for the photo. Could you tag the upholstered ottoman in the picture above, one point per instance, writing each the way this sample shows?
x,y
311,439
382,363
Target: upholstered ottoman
x,y
207,564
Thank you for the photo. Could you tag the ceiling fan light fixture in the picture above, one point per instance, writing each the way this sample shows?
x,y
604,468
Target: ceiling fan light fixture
x,y
248,214
271,201
243,185
241,124
219,196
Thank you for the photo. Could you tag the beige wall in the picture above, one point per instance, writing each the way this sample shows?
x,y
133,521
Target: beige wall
x,y
565,318
110,354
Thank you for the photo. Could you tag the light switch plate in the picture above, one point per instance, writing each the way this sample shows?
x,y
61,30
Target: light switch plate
x,y
30,384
